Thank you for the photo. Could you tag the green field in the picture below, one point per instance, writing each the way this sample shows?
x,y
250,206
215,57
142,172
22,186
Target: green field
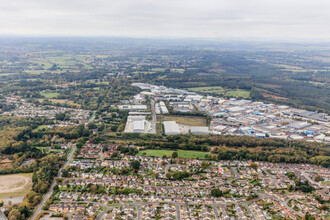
x,y
218,90
62,101
326,182
168,153
158,69
238,93
40,128
50,95
185,120
177,70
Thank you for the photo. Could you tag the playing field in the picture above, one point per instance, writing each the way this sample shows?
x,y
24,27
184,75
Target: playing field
x,y
50,95
185,120
15,185
168,153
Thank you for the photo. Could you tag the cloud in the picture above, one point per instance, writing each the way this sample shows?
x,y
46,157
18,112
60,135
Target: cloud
x,y
284,19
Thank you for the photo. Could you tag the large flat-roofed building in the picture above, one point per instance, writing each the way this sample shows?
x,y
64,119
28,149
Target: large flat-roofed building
x,y
133,107
139,107
299,125
138,126
199,130
171,128
161,108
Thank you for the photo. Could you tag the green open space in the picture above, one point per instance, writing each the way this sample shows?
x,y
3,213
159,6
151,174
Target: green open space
x,y
168,153
39,128
218,90
185,120
49,95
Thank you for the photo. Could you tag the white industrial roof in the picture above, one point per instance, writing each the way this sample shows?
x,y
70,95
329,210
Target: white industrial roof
x,y
138,125
171,127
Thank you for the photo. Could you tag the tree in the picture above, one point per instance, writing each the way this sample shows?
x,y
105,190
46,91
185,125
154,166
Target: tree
x,y
309,216
56,188
216,192
175,154
14,214
135,164
254,166
60,116
204,165
324,207
93,188
114,155
91,125
318,178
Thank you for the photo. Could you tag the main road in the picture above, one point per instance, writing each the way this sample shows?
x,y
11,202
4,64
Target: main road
x,y
154,119
51,189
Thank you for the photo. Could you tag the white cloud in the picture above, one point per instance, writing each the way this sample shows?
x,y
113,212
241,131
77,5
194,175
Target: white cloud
x,y
286,19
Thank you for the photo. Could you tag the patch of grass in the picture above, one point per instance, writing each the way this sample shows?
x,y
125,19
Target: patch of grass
x,y
158,69
218,90
238,93
325,183
7,74
177,70
168,153
40,128
185,120
50,95
62,101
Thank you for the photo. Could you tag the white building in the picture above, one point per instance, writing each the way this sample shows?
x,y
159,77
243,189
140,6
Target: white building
x,y
171,128
138,126
199,130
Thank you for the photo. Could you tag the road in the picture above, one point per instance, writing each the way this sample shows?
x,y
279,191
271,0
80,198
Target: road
x,y
177,205
271,176
91,119
178,214
154,119
283,203
50,191
233,169
309,179
139,212
216,213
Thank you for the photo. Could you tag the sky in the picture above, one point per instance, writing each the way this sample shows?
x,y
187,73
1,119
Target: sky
x,y
209,19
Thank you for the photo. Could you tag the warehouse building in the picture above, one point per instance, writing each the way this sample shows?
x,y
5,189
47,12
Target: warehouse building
x,y
171,128
199,130
138,126
161,108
